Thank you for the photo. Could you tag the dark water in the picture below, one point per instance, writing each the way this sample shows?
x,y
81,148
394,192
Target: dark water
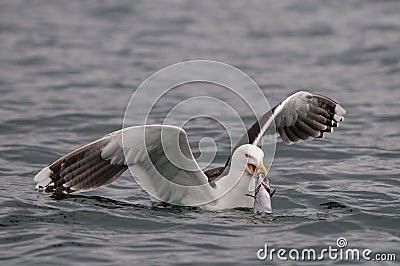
x,y
68,69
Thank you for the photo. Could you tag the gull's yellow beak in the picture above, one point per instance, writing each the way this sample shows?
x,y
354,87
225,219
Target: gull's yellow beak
x,y
263,169
260,168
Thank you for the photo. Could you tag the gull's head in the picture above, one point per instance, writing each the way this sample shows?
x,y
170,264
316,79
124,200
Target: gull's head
x,y
253,157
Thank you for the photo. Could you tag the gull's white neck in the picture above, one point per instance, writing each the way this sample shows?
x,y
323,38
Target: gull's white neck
x,y
232,188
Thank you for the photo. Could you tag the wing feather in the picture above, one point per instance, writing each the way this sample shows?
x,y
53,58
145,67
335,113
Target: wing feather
x,y
301,116
159,156
290,134
298,132
283,135
300,124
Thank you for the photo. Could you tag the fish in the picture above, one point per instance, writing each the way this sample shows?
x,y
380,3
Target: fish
x,y
262,195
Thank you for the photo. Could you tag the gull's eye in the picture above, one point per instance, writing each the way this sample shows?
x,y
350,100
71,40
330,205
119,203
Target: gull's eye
x,y
247,155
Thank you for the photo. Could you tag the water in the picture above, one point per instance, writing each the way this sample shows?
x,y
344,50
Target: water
x,y
68,69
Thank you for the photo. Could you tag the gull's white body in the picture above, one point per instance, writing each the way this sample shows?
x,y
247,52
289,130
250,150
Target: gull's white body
x,y
236,196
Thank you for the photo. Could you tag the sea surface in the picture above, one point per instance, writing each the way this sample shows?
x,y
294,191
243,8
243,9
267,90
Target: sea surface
x,y
69,68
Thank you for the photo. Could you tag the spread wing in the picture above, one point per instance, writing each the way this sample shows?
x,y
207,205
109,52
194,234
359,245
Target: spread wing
x,y
81,169
301,116
159,157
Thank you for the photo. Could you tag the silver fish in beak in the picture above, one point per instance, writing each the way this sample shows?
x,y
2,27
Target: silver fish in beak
x,y
262,195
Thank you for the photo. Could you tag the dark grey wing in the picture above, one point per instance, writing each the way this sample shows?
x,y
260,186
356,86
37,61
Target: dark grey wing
x,y
81,169
301,116
159,156
214,173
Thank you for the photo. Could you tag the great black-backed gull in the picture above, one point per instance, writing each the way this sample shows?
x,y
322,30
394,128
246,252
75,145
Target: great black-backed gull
x,y
160,158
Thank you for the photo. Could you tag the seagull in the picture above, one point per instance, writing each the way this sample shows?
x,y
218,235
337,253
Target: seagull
x,y
161,161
